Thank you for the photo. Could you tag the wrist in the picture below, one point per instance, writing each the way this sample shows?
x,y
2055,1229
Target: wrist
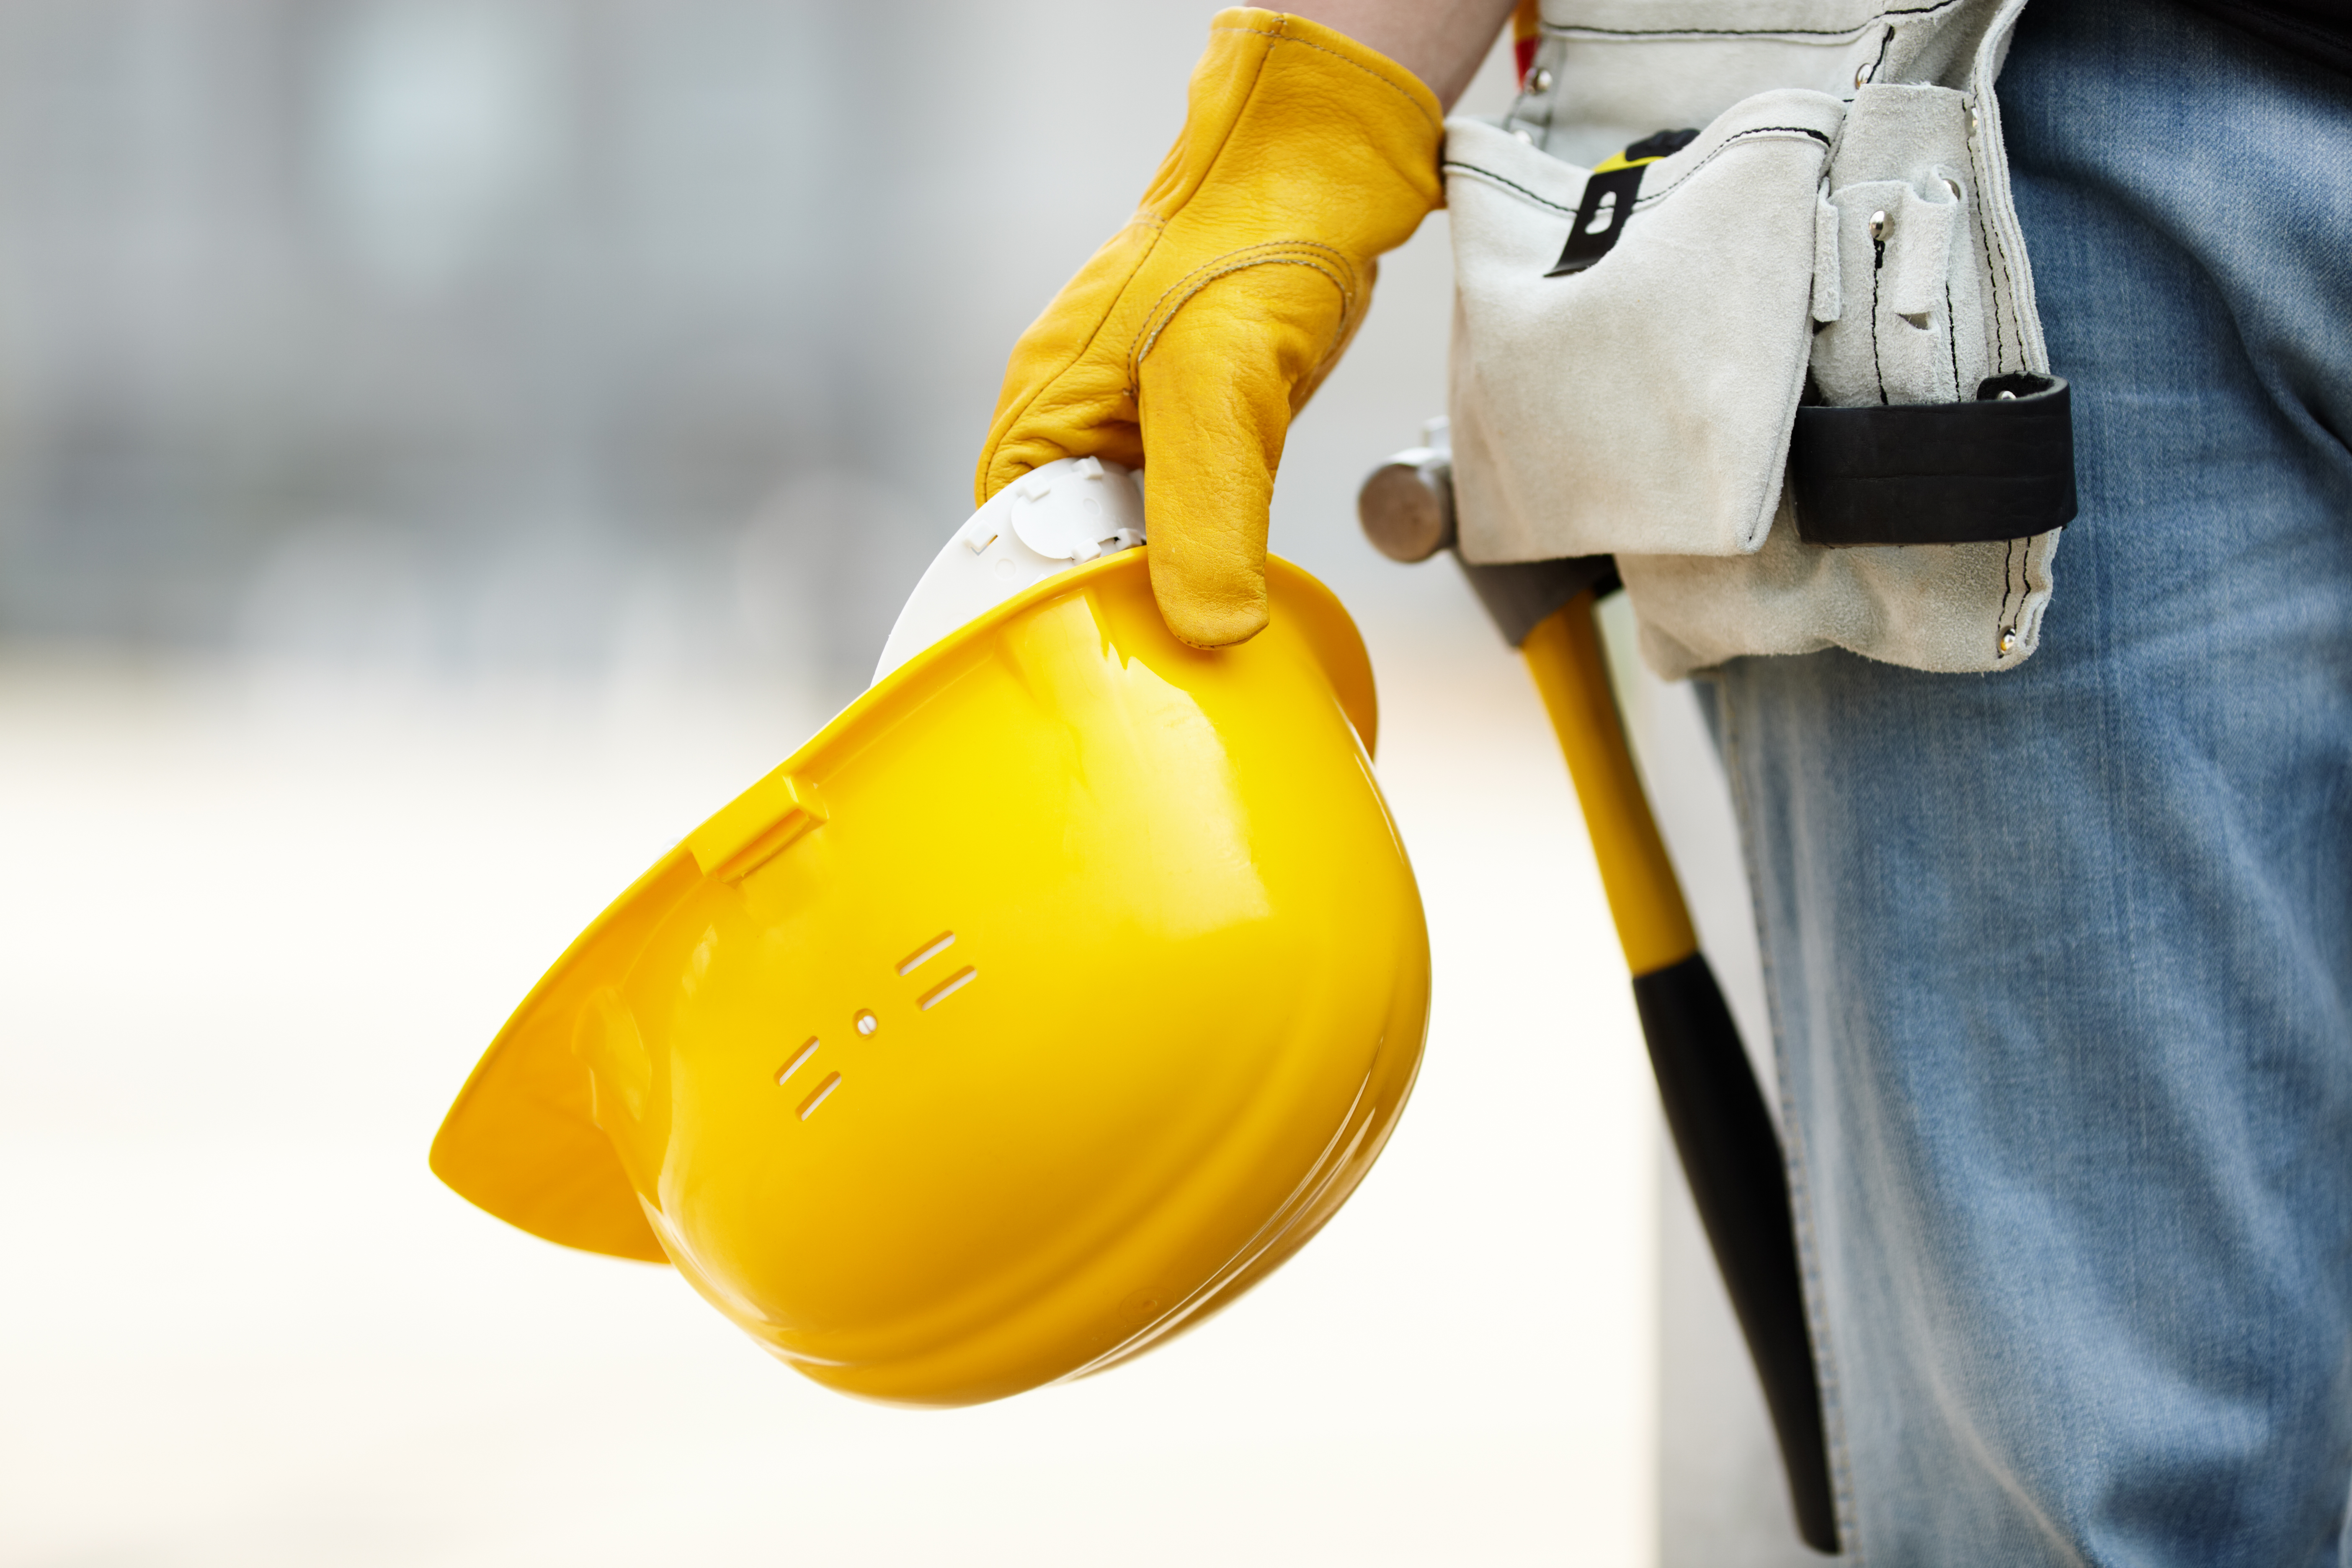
x,y
1441,43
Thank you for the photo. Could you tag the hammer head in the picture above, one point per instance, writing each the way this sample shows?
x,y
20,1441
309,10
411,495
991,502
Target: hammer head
x,y
1406,505
1406,508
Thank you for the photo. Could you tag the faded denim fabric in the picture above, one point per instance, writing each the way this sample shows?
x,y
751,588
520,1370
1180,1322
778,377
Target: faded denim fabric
x,y
2061,959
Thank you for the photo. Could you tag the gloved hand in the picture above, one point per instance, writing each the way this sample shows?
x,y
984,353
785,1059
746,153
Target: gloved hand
x,y
1190,340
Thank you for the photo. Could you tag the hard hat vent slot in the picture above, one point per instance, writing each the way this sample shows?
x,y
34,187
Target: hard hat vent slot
x,y
798,1061
929,951
818,1096
948,987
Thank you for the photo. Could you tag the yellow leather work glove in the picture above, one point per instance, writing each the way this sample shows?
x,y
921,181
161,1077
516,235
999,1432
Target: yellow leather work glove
x,y
1191,339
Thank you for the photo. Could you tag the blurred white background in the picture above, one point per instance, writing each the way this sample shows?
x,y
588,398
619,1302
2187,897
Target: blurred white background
x,y
448,447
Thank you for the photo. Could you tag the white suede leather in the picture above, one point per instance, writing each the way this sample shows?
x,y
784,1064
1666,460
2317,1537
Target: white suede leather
x,y
1915,329
1647,398
1642,408
1930,607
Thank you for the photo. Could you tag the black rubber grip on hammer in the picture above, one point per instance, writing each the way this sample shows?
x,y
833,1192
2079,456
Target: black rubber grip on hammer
x,y
1731,1155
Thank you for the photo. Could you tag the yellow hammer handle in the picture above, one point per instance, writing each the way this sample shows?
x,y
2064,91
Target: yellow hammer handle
x,y
1564,655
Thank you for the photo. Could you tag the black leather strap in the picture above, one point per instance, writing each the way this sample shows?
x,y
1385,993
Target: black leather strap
x,y
2001,466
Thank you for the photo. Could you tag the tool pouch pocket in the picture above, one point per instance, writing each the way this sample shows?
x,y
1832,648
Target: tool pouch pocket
x,y
1788,374
1921,424
1630,345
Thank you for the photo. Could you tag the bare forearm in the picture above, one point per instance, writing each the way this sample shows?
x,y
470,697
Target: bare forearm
x,y
1440,41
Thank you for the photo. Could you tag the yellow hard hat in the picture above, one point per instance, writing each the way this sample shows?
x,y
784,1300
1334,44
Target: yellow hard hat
x,y
1058,991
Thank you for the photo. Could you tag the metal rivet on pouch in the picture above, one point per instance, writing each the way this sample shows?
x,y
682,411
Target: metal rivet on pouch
x,y
1878,224
1526,137
2008,640
1952,185
1540,82
1862,73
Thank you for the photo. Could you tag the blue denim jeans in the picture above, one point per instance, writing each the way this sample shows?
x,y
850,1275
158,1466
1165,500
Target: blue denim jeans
x,y
2061,959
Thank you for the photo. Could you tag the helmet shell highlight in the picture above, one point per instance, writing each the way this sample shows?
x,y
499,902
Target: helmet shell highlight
x,y
1055,992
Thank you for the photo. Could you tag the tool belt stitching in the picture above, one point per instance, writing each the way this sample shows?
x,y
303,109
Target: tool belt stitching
x,y
1574,29
1877,362
1951,337
1907,441
1998,247
1885,42
1805,132
1493,178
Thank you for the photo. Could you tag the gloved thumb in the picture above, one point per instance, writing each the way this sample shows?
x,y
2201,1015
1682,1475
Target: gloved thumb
x,y
1216,389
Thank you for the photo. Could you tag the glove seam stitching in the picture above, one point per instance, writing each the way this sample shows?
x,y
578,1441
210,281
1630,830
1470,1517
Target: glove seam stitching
x,y
1211,271
1214,269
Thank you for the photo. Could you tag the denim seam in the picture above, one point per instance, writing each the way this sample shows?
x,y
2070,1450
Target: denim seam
x,y
1792,1146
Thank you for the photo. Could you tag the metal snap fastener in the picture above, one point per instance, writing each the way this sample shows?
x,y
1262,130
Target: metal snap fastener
x,y
1862,73
1524,136
2007,643
1878,223
1540,82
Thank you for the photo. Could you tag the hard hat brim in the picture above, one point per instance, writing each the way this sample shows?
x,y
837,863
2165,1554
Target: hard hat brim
x,y
521,1140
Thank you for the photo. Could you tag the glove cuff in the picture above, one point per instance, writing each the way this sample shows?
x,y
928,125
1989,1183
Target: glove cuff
x,y
1376,122
1282,26
1303,152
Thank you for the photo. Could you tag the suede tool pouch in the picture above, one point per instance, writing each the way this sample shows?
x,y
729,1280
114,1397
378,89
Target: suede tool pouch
x,y
1626,368
1932,466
